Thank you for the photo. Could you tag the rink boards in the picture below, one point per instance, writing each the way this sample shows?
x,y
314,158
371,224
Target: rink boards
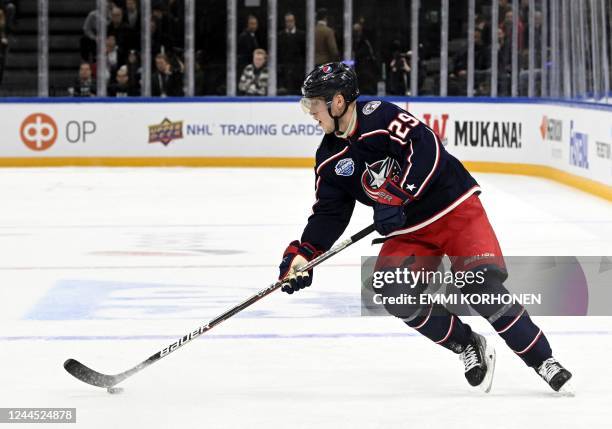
x,y
567,142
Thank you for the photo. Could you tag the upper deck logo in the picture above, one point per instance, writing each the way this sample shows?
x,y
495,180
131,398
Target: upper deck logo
x,y
165,132
38,131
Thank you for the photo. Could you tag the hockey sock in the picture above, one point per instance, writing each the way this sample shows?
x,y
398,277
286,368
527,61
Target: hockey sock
x,y
522,336
442,327
512,322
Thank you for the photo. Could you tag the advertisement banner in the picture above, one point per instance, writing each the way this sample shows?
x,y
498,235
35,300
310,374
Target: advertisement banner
x,y
569,139
158,130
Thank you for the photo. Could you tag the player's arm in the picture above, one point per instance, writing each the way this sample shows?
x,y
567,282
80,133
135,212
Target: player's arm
x,y
419,148
419,151
330,216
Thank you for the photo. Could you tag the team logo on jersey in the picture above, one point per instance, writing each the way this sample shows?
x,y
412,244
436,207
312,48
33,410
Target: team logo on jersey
x,y
326,69
376,173
345,167
370,107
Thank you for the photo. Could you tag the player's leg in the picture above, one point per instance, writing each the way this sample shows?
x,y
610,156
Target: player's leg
x,y
471,237
433,321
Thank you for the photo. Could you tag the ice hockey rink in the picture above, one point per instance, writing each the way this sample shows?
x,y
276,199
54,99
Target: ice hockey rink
x,y
110,265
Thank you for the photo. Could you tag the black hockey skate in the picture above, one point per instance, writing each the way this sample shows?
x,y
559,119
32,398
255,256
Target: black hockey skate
x,y
556,376
479,360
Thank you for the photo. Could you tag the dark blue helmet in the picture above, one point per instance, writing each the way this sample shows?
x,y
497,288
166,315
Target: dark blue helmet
x,y
330,79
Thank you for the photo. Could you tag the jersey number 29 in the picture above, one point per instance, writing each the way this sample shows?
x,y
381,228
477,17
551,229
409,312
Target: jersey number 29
x,y
402,125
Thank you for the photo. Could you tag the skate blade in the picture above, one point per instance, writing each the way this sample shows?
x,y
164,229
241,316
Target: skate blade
x,y
490,357
567,390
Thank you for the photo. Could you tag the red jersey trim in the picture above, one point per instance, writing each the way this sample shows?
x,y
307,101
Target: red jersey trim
x,y
331,158
438,215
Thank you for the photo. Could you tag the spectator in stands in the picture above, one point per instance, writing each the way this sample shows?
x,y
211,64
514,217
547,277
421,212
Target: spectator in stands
x,y
537,52
254,79
132,15
485,29
482,52
122,87
176,19
430,25
399,71
88,40
8,7
507,27
200,75
365,29
166,81
160,29
524,10
134,70
457,82
84,85
114,56
156,36
365,61
132,24
247,42
291,57
504,63
537,36
504,6
326,49
117,27
3,43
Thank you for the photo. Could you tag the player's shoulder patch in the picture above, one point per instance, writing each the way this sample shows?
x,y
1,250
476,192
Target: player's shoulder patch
x,y
370,106
345,167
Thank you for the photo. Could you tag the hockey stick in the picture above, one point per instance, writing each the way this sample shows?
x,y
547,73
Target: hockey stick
x,y
95,378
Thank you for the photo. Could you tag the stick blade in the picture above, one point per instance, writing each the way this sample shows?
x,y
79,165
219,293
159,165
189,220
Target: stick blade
x,y
88,375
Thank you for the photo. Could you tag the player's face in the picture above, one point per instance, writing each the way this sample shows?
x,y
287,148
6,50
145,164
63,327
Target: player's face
x,y
317,108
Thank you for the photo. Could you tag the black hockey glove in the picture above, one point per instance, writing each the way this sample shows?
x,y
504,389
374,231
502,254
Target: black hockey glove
x,y
388,218
296,255
389,214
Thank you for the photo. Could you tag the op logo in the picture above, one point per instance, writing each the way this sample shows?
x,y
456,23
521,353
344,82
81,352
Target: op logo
x,y
38,131
345,167
376,173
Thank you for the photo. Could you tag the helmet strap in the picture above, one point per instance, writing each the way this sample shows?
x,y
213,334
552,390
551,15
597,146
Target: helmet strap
x,y
337,118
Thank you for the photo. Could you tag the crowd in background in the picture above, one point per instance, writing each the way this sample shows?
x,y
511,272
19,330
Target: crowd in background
x,y
7,20
122,50
393,74
382,71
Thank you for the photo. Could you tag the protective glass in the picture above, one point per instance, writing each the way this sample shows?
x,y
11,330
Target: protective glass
x,y
312,106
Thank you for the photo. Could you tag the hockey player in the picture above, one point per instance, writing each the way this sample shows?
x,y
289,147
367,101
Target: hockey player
x,y
425,205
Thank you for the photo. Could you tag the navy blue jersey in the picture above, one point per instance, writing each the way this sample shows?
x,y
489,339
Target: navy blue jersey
x,y
386,141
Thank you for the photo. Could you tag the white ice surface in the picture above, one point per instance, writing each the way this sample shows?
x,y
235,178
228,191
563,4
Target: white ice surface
x,y
110,265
